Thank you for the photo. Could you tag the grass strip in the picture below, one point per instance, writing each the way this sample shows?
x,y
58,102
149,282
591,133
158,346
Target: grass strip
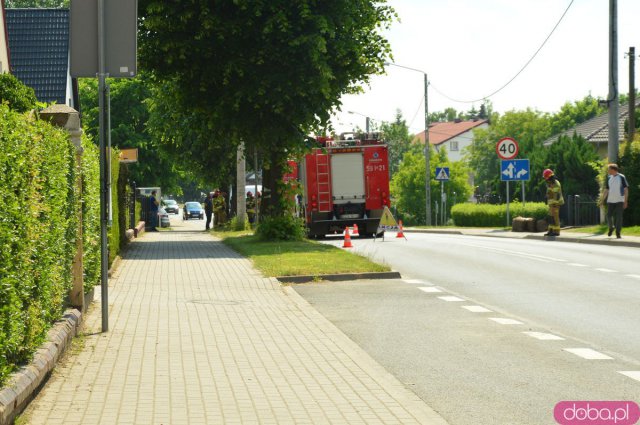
x,y
296,258
603,229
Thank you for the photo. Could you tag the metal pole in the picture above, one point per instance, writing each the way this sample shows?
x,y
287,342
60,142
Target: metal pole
x,y
104,196
523,200
614,137
442,202
427,150
508,218
632,93
368,125
132,211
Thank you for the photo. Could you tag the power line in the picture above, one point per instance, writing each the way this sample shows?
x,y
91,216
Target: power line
x,y
517,74
415,115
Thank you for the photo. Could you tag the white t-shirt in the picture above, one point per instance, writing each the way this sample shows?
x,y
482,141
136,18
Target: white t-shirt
x,y
616,185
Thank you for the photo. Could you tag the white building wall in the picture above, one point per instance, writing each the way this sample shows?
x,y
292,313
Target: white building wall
x,y
4,45
456,146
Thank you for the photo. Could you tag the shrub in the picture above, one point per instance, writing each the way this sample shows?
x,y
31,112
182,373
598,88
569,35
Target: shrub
x,y
237,225
19,97
486,215
38,227
90,213
285,228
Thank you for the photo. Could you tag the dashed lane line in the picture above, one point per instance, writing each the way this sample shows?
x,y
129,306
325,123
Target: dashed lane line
x,y
634,276
588,353
543,336
633,374
476,309
413,281
429,289
603,270
504,321
577,265
451,298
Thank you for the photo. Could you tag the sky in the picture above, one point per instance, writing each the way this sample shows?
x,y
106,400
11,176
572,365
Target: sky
x,y
469,48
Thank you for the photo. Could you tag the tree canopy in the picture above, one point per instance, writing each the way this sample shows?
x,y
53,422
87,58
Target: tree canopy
x,y
129,129
266,73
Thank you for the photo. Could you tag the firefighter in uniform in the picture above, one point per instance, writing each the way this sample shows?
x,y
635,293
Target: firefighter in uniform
x,y
219,208
554,200
251,207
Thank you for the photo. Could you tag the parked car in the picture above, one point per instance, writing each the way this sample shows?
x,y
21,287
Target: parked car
x,y
171,206
193,210
163,218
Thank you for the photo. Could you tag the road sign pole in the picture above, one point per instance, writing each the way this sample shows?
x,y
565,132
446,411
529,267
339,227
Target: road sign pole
x,y
523,200
442,202
104,172
508,203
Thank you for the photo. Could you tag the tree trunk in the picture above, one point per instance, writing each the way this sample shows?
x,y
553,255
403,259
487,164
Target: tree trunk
x,y
272,183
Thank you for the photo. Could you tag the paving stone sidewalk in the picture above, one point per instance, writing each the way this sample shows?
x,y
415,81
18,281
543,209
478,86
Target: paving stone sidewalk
x,y
197,336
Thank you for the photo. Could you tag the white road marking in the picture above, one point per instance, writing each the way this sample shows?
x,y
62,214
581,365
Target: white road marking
x,y
429,289
606,270
504,321
544,336
476,309
588,353
633,374
635,276
451,298
577,265
413,281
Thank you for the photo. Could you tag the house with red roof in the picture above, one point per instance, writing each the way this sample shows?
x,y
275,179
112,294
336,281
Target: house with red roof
x,y
4,41
454,136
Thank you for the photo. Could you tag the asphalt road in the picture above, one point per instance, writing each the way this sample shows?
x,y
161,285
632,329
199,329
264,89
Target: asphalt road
x,y
472,365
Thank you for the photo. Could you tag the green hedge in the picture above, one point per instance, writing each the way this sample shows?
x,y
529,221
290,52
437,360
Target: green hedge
x,y
91,213
38,227
486,215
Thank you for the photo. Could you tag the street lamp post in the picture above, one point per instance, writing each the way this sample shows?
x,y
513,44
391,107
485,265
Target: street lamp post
x,y
427,151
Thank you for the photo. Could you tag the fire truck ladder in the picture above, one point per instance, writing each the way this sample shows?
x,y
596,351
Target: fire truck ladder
x,y
324,185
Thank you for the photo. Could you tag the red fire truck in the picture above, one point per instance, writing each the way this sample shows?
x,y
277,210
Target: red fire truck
x,y
344,182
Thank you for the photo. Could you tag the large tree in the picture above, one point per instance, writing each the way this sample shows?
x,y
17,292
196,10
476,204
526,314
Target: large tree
x,y
265,73
130,129
396,134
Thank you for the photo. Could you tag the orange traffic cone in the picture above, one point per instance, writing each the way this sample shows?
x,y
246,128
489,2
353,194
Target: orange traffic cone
x,y
400,233
355,230
347,239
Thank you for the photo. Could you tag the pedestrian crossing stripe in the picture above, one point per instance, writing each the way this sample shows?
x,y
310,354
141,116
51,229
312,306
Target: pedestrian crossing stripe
x,y
442,175
387,222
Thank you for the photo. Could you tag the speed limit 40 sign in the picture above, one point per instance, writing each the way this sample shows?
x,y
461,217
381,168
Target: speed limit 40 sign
x,y
507,148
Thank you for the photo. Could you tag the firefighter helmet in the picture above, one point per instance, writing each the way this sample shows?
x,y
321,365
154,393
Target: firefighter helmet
x,y
547,173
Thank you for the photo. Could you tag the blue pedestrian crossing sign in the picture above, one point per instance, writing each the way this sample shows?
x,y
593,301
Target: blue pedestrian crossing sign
x,y
442,174
515,170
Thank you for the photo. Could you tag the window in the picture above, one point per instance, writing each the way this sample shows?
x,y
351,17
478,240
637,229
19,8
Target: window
x,y
454,146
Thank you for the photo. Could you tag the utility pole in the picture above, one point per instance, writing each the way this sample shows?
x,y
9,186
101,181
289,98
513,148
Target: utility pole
x,y
427,150
632,93
614,103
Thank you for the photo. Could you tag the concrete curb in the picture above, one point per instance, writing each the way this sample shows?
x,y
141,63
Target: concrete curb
x,y
139,229
24,384
508,235
612,242
339,277
114,265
